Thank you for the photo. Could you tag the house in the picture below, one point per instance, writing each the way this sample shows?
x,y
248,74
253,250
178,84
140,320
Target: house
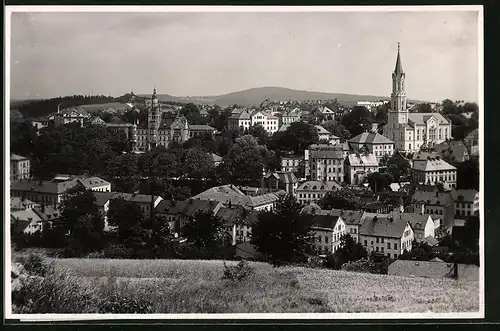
x,y
103,200
434,203
328,230
386,235
428,168
42,122
280,180
433,269
145,201
41,191
289,117
230,195
178,213
19,167
466,202
325,163
472,142
314,191
95,184
452,151
17,203
48,214
374,143
216,159
71,115
292,163
353,220
358,166
95,120
238,222
323,134
239,119
25,222
377,207
328,114
268,121
422,224
197,130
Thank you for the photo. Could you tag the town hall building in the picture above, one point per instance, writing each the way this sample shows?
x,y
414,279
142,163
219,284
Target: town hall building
x,y
411,131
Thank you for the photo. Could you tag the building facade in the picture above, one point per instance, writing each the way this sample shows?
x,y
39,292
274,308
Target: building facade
x,y
358,166
19,167
411,131
314,191
466,203
374,143
325,163
431,169
328,230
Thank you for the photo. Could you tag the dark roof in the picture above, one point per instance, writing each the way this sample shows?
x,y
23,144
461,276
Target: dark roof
x,y
399,65
237,215
428,269
464,195
326,152
42,186
370,138
383,226
284,177
190,207
432,242
48,213
163,206
196,127
452,150
103,197
324,221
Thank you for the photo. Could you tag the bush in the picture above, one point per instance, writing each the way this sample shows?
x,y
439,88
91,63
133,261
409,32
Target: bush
x,y
36,265
368,266
238,272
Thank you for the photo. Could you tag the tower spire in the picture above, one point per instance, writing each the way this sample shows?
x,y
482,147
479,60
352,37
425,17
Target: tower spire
x,y
399,66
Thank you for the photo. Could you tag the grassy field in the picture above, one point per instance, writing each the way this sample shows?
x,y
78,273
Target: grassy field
x,y
183,286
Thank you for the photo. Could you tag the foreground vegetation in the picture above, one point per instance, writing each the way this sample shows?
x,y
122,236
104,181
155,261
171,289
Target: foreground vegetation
x,y
188,286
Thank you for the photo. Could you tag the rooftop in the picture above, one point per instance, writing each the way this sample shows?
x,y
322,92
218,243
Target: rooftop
x,y
15,157
464,195
370,138
362,160
432,164
320,186
423,118
383,226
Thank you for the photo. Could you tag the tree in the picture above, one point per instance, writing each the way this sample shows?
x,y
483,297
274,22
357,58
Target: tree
x,y
204,141
297,137
197,164
358,120
423,108
259,133
204,229
127,216
124,170
379,182
349,251
245,160
165,165
337,129
284,234
381,116
81,217
468,174
398,166
157,236
341,199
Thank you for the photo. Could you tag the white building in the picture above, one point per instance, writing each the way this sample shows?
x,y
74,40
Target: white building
x,y
268,121
386,235
19,167
374,143
431,169
466,203
328,230
314,191
411,131
325,163
239,119
358,166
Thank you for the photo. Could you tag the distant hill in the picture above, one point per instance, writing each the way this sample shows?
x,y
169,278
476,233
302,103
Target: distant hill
x,y
256,96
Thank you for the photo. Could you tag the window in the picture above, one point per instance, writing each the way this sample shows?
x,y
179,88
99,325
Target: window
x,y
326,239
376,240
395,256
376,248
395,245
319,239
366,243
388,245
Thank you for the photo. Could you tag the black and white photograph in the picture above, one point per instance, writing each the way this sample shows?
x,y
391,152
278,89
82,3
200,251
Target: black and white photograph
x,y
244,162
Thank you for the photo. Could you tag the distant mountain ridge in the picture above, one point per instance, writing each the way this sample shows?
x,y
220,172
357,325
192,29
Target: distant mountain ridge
x,y
256,96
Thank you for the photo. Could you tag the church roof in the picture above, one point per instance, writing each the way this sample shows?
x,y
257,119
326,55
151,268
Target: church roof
x,y
422,118
399,65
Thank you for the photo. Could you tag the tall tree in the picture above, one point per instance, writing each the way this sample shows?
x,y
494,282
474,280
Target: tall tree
x,y
283,234
127,216
196,163
337,129
341,199
204,230
259,133
358,120
349,251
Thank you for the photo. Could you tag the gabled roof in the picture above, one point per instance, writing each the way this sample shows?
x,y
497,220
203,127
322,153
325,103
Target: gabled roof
x,y
422,118
42,186
352,217
383,226
26,215
190,207
283,176
452,150
91,182
243,115
196,127
321,130
15,157
103,197
432,164
215,157
17,203
48,213
325,221
432,198
237,215
132,197
417,221
326,152
370,138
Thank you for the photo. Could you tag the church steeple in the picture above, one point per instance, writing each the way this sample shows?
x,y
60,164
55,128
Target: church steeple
x,y
398,70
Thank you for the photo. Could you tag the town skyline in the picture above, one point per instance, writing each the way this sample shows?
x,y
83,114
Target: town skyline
x,y
48,52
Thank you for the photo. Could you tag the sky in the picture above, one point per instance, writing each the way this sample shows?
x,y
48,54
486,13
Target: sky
x,y
213,53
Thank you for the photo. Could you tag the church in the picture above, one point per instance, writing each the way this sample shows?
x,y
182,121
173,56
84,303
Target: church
x,y
412,131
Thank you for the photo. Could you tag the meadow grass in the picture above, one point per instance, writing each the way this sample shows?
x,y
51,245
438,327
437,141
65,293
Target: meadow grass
x,y
188,286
